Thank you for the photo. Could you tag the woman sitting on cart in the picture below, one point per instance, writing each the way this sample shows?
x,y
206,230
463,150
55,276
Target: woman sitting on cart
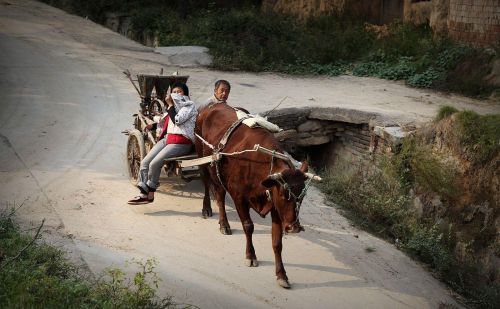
x,y
176,139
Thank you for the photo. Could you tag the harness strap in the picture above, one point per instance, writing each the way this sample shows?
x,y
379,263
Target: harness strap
x,y
229,131
204,141
217,170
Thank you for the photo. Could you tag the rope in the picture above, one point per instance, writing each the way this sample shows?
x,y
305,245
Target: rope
x,y
204,141
272,162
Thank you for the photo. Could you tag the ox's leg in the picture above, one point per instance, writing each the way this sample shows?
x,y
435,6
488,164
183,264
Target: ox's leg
x,y
277,237
207,207
220,196
244,213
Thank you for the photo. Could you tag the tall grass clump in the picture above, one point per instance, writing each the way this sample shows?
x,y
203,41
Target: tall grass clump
x,y
378,201
479,135
414,163
445,112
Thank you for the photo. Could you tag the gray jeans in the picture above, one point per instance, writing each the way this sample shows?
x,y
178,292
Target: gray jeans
x,y
149,173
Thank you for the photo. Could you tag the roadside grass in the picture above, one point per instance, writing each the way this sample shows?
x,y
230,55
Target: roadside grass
x,y
36,275
379,200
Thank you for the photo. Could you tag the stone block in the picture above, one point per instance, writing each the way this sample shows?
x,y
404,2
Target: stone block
x,y
286,134
393,134
318,133
310,125
313,140
342,114
360,141
304,135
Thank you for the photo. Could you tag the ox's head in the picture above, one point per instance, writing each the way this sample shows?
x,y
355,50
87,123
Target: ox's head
x,y
286,191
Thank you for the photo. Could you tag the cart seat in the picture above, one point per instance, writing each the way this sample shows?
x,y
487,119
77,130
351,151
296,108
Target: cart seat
x,y
190,156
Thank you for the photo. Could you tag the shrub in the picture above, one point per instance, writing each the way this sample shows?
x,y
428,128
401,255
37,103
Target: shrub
x,y
407,40
240,36
369,68
415,163
403,69
426,244
373,195
427,78
36,275
378,199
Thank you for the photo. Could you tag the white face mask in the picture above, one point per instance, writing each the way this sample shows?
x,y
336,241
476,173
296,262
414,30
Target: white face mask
x,y
177,96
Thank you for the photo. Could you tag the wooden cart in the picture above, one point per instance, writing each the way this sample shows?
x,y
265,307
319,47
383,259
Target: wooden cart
x,y
152,90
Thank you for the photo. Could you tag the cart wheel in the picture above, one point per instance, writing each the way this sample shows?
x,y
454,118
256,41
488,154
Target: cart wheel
x,y
135,153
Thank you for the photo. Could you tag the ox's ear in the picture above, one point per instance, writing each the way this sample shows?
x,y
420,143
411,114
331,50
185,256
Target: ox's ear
x,y
304,167
269,182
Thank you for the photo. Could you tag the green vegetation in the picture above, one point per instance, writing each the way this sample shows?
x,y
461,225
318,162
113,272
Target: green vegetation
x,y
36,275
380,200
479,134
414,163
445,112
381,204
241,36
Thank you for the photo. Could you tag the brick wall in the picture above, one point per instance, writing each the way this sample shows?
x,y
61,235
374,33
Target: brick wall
x,y
475,21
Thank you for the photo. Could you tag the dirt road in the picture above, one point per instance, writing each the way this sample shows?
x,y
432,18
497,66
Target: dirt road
x,y
64,102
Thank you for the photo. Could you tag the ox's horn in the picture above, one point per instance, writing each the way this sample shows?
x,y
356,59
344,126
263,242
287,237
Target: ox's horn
x,y
313,177
274,176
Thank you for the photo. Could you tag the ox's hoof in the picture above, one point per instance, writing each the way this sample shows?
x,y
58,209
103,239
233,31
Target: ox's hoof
x,y
225,230
251,263
283,283
206,212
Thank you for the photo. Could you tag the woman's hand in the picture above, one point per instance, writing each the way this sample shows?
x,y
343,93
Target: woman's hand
x,y
148,127
169,101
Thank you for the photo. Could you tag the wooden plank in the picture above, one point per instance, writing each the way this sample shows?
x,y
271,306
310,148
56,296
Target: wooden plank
x,y
199,161
186,157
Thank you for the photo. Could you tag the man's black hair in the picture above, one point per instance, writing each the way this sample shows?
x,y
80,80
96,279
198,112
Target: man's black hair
x,y
183,86
222,81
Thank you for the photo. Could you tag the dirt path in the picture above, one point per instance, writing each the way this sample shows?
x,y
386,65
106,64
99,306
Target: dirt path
x,y
64,102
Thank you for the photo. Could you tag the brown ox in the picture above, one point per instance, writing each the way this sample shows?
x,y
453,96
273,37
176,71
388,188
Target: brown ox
x,y
247,177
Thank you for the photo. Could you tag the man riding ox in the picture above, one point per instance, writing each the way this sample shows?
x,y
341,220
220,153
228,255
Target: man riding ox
x,y
249,164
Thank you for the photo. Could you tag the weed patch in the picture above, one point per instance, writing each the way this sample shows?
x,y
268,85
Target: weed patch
x,y
36,275
378,199
479,135
445,112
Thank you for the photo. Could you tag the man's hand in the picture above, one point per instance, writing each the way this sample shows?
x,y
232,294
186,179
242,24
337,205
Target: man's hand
x,y
148,127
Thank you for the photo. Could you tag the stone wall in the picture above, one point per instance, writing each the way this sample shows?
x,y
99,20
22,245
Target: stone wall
x,y
417,12
326,133
303,8
469,21
122,24
474,21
